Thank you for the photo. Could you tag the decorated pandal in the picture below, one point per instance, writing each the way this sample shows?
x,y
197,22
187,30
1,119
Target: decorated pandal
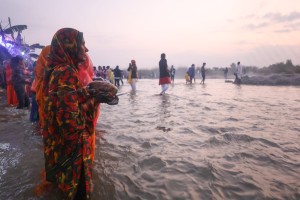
x,y
12,44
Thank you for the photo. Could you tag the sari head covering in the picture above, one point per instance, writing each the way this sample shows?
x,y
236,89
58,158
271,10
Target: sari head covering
x,y
64,51
65,47
41,63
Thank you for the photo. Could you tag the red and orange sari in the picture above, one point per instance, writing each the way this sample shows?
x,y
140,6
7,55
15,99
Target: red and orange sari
x,y
10,91
69,118
86,74
39,78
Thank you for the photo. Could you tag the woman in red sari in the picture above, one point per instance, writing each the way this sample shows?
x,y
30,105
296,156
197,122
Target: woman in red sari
x,y
69,116
12,99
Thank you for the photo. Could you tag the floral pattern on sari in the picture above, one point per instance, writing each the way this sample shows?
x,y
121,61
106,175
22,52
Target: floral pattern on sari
x,y
69,114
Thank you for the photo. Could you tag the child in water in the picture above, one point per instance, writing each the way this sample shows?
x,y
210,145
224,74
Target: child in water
x,y
187,78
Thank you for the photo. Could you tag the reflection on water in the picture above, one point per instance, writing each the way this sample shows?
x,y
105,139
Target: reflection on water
x,y
211,141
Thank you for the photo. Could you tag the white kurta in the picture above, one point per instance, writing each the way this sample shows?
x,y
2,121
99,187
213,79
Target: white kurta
x,y
239,71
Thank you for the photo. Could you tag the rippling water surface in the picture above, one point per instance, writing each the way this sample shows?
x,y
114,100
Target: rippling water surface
x,y
214,141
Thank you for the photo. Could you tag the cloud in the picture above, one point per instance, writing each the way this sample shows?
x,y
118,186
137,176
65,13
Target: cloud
x,y
257,26
283,31
289,22
290,27
245,42
252,16
278,17
294,26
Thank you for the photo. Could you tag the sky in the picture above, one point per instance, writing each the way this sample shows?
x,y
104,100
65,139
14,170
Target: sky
x,y
218,32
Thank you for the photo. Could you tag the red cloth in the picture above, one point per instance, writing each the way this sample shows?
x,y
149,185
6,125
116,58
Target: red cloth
x,y
86,73
164,80
10,91
33,86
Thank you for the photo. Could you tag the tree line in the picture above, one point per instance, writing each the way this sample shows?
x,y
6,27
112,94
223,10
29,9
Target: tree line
x,y
218,72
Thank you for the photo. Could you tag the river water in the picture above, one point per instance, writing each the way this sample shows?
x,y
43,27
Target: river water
x,y
213,141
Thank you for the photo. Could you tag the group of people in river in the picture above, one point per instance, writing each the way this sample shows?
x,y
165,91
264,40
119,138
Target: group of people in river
x,y
16,80
190,74
67,89
114,76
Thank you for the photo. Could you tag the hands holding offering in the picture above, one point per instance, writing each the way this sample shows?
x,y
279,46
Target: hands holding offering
x,y
104,92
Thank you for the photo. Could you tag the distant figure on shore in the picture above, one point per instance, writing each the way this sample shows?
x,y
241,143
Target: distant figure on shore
x,y
110,75
99,72
11,94
34,114
117,73
2,76
103,72
225,73
19,81
238,74
164,74
203,73
172,73
121,77
192,73
132,75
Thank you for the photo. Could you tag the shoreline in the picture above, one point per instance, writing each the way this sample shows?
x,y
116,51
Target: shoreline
x,y
272,80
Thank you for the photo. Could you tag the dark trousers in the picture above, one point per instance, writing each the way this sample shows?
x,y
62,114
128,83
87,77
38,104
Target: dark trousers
x,y
23,100
117,82
203,78
172,78
191,79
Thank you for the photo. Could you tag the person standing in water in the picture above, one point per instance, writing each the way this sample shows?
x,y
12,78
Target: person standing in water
x,y
117,73
69,115
133,75
19,81
225,73
192,73
172,72
238,73
203,73
187,77
164,74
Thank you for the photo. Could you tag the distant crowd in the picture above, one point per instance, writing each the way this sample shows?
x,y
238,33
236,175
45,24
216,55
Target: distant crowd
x,y
17,77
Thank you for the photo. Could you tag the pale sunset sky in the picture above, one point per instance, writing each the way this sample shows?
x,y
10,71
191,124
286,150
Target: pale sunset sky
x,y
218,32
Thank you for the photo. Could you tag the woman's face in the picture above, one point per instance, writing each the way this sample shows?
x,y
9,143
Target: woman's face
x,y
82,51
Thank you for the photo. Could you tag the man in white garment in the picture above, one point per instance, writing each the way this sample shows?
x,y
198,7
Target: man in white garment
x,y
239,73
